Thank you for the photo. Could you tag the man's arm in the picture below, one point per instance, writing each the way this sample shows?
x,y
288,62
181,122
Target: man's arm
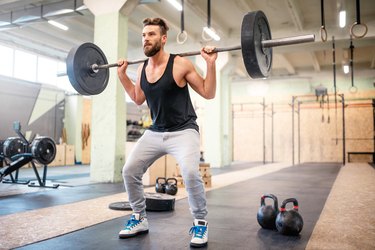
x,y
134,91
204,87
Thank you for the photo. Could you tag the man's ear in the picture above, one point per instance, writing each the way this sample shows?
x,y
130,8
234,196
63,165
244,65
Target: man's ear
x,y
164,38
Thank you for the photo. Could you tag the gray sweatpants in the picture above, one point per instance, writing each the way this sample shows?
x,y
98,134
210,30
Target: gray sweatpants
x,y
184,146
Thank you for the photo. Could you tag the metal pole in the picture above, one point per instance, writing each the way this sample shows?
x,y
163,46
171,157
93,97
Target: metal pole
x,y
232,133
272,114
351,61
299,133
373,124
293,99
334,68
343,129
264,131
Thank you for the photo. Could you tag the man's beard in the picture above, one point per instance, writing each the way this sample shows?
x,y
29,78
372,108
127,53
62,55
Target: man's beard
x,y
153,50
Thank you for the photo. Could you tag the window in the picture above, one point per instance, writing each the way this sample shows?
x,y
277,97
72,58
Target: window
x,y
6,62
63,81
25,65
34,68
47,70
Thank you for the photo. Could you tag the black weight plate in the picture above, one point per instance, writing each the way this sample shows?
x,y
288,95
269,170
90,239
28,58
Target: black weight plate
x,y
159,202
13,146
120,206
254,30
78,68
154,202
43,149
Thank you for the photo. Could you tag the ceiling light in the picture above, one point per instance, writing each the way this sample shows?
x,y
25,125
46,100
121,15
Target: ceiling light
x,y
176,4
211,33
345,68
58,25
342,18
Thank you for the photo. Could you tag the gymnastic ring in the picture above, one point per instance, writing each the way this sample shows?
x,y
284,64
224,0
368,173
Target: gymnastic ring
x,y
205,37
358,24
182,37
323,33
353,89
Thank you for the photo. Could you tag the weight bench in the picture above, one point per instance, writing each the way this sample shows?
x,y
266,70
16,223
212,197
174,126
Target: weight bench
x,y
361,153
21,160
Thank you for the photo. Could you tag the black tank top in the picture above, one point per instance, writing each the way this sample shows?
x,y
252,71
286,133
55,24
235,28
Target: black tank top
x,y
170,105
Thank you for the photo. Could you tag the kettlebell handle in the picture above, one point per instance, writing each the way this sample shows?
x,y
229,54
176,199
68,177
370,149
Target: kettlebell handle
x,y
271,196
172,179
286,201
161,178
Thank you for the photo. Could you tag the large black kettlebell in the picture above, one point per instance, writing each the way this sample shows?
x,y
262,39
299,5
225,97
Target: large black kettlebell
x,y
289,222
160,184
171,186
267,214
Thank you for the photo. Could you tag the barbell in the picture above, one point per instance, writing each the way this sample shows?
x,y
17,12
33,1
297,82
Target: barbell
x,y
88,68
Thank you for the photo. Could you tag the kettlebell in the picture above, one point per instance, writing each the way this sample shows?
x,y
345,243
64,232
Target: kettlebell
x,y
171,186
160,184
267,214
289,222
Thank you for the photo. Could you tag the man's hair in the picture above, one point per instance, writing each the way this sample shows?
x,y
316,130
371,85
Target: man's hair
x,y
157,21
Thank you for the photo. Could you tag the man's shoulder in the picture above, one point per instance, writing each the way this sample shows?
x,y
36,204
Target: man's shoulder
x,y
181,60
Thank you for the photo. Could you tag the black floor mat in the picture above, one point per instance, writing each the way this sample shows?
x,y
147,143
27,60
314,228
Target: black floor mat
x,y
232,216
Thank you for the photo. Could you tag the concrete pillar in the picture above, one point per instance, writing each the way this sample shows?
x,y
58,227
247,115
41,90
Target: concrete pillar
x,y
216,116
227,114
109,108
73,123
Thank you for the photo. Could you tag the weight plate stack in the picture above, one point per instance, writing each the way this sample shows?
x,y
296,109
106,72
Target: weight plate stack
x,y
43,149
13,146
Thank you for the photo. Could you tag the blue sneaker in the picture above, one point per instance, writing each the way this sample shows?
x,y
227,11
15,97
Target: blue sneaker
x,y
135,226
200,233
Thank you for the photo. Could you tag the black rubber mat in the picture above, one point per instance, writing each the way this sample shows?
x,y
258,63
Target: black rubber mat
x,y
53,197
232,216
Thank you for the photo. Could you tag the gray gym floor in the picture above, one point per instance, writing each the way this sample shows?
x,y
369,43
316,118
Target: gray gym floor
x,y
232,212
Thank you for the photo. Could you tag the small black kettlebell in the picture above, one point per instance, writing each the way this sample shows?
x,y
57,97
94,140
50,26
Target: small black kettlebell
x,y
160,184
289,222
266,215
171,186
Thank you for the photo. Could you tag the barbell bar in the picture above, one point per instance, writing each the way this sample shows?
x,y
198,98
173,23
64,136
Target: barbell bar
x,y
88,69
265,44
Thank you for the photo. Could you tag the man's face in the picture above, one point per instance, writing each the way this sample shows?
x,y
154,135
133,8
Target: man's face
x,y
152,40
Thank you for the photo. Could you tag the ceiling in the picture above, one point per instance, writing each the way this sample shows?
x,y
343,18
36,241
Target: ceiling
x,y
285,17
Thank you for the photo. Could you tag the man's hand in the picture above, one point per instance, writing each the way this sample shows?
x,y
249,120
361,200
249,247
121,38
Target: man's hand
x,y
208,54
121,70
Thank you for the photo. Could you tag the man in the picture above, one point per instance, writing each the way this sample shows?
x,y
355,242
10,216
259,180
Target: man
x,y
163,82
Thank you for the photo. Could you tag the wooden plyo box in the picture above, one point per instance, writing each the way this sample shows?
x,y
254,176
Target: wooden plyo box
x,y
180,182
69,155
60,156
204,170
207,181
